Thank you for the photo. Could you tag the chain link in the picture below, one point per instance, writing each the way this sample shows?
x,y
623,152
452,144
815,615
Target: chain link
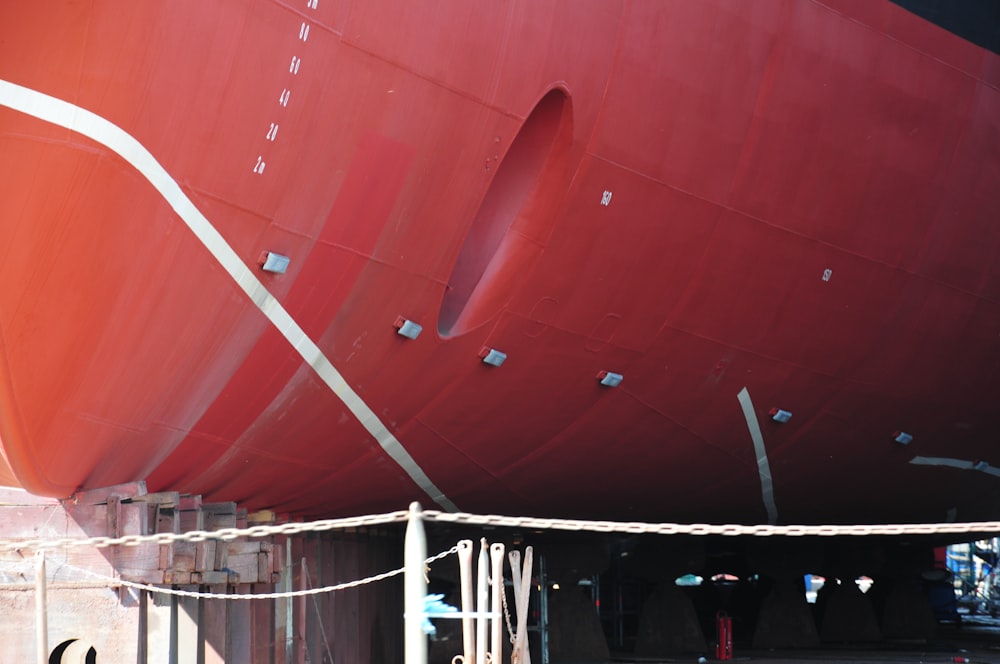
x,y
506,613
639,528
494,520
113,582
225,534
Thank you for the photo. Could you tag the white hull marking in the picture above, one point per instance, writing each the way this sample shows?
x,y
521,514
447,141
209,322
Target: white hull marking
x,y
960,464
72,117
763,466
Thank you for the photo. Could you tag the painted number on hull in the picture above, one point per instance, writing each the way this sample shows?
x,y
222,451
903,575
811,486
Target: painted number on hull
x,y
304,31
272,133
259,166
294,67
312,4
827,273
285,94
606,199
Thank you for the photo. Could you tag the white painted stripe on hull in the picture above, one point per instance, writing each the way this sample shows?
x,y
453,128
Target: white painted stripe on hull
x,y
763,466
77,119
960,464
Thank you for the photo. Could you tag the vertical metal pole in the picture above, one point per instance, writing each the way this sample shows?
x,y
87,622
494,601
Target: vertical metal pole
x,y
496,644
289,608
41,609
414,587
543,609
468,602
522,597
482,598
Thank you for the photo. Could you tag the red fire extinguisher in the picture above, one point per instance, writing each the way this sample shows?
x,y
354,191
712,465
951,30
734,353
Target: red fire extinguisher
x,y
724,628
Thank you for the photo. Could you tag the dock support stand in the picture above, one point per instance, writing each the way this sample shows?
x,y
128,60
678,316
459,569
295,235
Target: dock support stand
x,y
415,587
41,609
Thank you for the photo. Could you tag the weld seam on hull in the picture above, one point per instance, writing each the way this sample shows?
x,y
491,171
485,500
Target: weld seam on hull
x,y
70,116
763,466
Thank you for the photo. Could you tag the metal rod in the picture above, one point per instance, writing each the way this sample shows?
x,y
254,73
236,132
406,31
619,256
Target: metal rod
x,y
482,598
543,609
286,574
496,643
522,593
468,623
415,587
41,610
525,603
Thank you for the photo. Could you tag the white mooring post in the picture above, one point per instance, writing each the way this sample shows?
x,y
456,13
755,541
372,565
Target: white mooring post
x,y
482,598
415,587
41,610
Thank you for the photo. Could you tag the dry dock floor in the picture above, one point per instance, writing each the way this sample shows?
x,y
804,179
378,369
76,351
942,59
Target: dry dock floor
x,y
976,641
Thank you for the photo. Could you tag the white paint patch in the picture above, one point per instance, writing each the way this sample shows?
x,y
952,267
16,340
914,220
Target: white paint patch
x,y
960,464
72,117
763,467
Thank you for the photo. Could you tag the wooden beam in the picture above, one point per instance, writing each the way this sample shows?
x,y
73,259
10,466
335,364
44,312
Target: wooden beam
x,y
100,496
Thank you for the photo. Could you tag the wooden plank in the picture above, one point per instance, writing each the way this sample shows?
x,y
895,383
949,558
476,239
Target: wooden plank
x,y
263,568
100,496
219,515
113,518
184,557
155,577
210,578
134,518
141,557
204,555
191,520
165,498
245,565
240,547
177,578
260,518
166,523
221,556
278,555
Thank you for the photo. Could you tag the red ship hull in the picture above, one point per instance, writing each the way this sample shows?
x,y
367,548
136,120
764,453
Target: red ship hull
x,y
734,206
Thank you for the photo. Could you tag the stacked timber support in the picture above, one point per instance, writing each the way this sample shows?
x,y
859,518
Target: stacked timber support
x,y
90,603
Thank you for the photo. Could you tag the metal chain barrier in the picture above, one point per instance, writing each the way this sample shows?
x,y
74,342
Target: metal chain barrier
x,y
494,520
224,534
732,530
113,582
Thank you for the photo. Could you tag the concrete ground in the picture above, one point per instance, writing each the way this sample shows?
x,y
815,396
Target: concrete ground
x,y
976,641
